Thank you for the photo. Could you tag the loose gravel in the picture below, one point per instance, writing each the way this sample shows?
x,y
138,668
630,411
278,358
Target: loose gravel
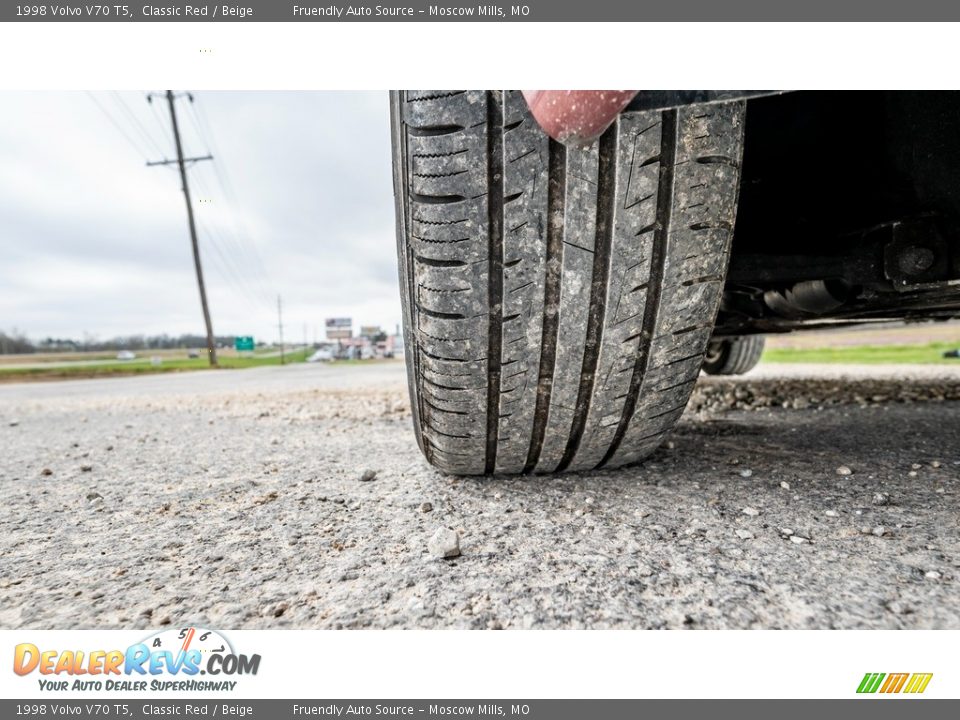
x,y
234,501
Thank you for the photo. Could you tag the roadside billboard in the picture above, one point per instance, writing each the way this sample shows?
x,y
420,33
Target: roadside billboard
x,y
339,328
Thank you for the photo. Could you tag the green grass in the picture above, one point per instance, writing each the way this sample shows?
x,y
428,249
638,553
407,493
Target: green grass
x,y
927,354
142,366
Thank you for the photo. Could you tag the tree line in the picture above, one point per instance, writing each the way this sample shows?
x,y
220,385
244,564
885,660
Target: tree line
x,y
16,343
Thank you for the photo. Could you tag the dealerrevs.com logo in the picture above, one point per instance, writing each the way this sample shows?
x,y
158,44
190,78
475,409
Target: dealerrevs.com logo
x,y
170,660
910,683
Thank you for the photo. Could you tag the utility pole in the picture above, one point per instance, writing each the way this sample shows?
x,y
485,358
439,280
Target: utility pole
x,y
283,360
181,162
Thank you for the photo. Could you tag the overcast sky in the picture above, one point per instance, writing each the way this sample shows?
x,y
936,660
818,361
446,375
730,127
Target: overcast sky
x,y
92,241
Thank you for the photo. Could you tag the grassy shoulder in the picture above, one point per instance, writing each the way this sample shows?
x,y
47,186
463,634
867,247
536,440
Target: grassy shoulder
x,y
922,354
142,366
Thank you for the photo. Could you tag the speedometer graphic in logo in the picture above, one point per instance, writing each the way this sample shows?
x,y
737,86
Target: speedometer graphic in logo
x,y
184,639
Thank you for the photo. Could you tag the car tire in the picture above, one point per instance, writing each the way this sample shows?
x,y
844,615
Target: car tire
x,y
733,356
557,301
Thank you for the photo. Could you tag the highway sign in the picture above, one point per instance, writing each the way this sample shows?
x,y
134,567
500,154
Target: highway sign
x,y
244,342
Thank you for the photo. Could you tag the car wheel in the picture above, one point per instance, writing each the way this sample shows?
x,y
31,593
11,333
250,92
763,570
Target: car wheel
x,y
557,301
733,356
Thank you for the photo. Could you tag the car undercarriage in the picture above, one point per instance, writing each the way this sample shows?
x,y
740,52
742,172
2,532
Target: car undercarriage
x,y
848,212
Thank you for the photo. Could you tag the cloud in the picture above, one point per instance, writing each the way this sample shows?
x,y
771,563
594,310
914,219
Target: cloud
x,y
297,201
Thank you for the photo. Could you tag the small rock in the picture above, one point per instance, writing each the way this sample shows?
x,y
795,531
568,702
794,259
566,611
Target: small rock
x,y
746,473
915,466
46,471
844,470
879,531
898,608
912,473
368,475
744,534
932,575
784,484
880,498
935,464
786,531
444,543
14,423
109,448
91,496
426,507
751,511
831,513
86,468
798,540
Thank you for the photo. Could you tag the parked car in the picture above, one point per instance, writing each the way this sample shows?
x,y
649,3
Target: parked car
x,y
560,300
126,355
321,355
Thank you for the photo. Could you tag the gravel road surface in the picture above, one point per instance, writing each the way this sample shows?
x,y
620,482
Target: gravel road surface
x,y
796,497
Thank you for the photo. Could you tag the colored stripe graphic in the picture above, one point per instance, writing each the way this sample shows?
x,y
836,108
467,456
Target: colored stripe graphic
x,y
918,682
894,683
870,682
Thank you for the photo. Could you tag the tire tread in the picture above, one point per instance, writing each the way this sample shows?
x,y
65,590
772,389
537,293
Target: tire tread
x,y
557,301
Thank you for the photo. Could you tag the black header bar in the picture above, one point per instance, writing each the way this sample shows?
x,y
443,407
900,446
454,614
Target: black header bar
x,y
462,11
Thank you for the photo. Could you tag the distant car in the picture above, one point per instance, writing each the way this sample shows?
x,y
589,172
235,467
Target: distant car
x,y
321,355
193,354
126,355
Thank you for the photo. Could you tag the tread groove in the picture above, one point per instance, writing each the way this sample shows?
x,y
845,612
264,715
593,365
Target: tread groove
x,y
606,198
495,184
436,199
657,263
435,262
556,202
433,130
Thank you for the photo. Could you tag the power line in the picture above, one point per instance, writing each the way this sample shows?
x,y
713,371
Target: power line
x,y
228,270
235,250
200,122
117,125
219,236
137,125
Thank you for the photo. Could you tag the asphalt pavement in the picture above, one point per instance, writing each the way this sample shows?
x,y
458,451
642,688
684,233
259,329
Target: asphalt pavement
x,y
795,497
